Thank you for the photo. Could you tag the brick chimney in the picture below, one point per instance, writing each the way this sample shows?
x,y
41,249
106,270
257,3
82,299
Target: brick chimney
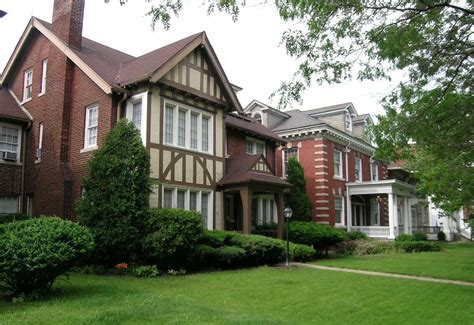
x,y
67,21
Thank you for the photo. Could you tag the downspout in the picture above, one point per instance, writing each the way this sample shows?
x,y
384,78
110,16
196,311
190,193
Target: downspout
x,y
119,104
23,168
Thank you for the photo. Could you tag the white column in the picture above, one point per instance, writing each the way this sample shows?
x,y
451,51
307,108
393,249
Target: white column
x,y
349,212
392,215
406,216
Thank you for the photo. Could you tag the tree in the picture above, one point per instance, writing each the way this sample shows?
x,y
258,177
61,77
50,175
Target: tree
x,y
297,199
115,198
430,42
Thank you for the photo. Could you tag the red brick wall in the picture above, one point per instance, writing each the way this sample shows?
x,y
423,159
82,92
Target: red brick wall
x,y
10,176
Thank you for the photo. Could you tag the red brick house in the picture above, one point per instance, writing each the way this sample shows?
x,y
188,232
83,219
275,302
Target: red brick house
x,y
347,186
62,93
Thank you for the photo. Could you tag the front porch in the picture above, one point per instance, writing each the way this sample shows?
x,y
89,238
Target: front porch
x,y
386,209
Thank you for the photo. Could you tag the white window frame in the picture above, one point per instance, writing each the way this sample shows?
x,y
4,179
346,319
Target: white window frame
x,y
359,173
260,120
338,173
374,167
143,98
27,85
269,201
2,204
254,143
348,121
174,132
199,192
18,151
39,149
342,222
88,145
284,159
44,71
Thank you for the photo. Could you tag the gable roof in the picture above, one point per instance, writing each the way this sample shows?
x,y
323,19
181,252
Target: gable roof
x,y
10,109
265,107
113,70
238,170
251,126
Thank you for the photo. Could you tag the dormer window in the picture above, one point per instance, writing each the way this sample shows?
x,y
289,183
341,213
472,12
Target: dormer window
x,y
258,117
348,121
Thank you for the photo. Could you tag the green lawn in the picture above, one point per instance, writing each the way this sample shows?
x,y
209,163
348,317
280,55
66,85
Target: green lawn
x,y
455,262
263,295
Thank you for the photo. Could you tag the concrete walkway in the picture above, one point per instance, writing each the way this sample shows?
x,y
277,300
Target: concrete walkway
x,y
388,275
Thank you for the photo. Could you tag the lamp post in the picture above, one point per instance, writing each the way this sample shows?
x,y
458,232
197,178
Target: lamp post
x,y
287,212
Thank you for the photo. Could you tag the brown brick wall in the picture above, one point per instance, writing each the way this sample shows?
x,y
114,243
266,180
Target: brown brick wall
x,y
10,176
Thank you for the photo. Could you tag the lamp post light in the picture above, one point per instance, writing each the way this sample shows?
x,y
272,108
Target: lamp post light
x,y
287,212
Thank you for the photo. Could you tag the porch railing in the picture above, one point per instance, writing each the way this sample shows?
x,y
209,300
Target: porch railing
x,y
373,231
426,229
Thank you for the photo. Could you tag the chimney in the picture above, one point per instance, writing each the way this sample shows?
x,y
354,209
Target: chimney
x,y
67,21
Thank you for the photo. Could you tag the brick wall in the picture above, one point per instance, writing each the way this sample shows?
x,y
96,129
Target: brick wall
x,y
11,179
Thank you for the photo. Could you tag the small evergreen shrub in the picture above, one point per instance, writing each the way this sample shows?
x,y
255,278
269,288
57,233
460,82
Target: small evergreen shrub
x,y
441,236
405,237
146,271
33,253
13,217
372,247
418,246
173,233
216,238
320,236
297,198
301,253
228,256
259,250
420,236
353,235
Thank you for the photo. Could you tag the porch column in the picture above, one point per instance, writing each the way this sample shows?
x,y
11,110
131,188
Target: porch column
x,y
280,206
406,216
392,215
349,212
246,196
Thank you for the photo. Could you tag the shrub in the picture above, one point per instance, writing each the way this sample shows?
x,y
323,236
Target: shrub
x,y
418,246
13,217
228,256
259,250
301,253
353,235
405,237
420,236
371,247
116,189
33,253
441,236
146,271
321,237
298,198
173,233
216,238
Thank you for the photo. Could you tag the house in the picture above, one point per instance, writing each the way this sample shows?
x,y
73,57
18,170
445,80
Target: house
x,y
62,93
347,186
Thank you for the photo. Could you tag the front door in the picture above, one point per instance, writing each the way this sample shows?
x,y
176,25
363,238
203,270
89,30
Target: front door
x,y
233,212
358,213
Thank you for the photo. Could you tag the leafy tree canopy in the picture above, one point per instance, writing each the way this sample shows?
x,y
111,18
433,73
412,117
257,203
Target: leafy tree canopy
x,y
429,41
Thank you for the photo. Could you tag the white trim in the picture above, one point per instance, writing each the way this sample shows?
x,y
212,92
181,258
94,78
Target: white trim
x,y
40,144
19,144
374,166
283,156
44,71
348,121
342,223
340,173
87,144
143,98
360,174
26,73
254,146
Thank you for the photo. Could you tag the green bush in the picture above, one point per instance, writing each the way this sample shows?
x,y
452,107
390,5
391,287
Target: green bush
x,y
228,256
441,236
116,191
173,233
321,237
216,238
418,246
33,253
13,217
353,235
259,250
297,198
146,271
301,253
405,237
371,247
420,236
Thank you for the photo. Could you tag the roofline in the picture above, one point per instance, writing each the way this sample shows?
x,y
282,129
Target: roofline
x,y
21,106
63,47
274,139
265,106
382,182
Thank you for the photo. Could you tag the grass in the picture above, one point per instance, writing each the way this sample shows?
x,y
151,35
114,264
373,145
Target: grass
x,y
262,295
455,262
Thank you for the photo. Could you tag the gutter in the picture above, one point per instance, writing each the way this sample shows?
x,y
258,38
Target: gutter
x,y
119,104
23,168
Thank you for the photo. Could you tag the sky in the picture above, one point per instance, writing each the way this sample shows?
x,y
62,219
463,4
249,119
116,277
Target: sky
x,y
248,49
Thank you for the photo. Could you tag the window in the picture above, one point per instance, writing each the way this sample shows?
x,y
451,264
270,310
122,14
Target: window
x,y
339,209
263,209
194,128
374,212
374,172
39,148
136,113
44,71
358,169
10,137
348,121
8,204
190,199
337,163
92,126
254,147
287,154
28,85
258,117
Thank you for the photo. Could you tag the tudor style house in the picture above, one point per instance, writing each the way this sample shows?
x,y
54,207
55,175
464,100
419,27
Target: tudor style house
x,y
347,186
62,93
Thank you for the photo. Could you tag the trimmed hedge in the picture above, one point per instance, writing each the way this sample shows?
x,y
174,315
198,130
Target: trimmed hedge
x,y
259,250
321,237
371,247
33,253
418,246
301,253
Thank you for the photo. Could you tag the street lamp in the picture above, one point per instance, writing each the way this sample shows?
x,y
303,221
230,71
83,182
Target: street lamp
x,y
2,13
287,212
